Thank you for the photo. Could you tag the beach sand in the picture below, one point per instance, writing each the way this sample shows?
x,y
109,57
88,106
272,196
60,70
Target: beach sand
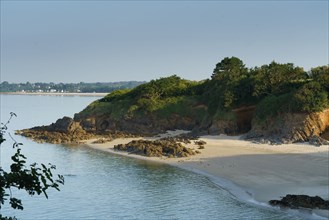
x,y
251,171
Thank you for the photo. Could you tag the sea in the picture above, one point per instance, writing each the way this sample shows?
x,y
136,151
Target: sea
x,y
100,185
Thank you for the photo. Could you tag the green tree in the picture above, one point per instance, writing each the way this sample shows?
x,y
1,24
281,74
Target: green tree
x,y
311,97
34,179
321,75
230,82
234,66
275,78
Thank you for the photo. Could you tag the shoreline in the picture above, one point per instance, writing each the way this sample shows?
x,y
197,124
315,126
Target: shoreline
x,y
250,171
55,93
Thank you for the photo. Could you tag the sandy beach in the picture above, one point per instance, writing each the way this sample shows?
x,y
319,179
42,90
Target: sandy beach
x,y
250,171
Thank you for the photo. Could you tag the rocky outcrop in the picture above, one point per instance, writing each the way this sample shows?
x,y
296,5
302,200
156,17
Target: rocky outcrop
x,y
318,141
156,148
291,127
284,128
301,201
64,130
235,122
223,127
183,138
64,125
146,125
54,137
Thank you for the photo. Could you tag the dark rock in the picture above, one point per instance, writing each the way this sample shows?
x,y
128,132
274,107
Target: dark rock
x,y
102,140
301,201
66,125
156,148
65,130
318,141
200,143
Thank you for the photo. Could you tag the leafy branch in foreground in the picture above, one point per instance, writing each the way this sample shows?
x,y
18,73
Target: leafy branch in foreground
x,y
32,178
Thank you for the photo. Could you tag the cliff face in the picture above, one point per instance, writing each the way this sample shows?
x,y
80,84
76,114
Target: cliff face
x,y
292,127
284,128
287,127
147,125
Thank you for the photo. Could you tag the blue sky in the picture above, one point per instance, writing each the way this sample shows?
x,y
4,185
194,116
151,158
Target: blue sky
x,y
95,41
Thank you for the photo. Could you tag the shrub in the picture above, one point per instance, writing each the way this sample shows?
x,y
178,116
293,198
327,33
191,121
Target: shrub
x,y
311,97
272,105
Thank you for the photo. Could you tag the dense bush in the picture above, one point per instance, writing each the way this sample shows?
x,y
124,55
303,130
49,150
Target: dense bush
x,y
275,79
311,97
116,95
273,88
162,97
321,75
273,105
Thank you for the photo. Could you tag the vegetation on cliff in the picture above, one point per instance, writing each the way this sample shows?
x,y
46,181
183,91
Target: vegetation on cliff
x,y
271,89
274,100
170,97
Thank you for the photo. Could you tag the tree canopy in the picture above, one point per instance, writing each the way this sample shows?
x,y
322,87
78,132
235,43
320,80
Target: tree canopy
x,y
232,85
275,78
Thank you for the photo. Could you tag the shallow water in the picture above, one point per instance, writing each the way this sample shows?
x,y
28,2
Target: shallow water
x,y
99,185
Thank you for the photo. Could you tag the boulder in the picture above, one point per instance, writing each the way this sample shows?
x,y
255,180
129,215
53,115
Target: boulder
x,y
64,130
301,201
156,148
65,125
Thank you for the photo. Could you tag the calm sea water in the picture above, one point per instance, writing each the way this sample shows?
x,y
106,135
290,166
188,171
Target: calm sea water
x,y
100,185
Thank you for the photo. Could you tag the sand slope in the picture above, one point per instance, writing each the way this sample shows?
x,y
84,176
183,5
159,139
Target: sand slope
x,y
254,171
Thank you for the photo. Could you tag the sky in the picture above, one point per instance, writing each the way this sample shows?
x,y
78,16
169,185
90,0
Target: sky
x,y
107,41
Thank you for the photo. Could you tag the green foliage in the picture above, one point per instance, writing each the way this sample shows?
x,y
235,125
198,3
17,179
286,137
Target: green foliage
x,y
230,83
184,106
161,95
164,95
32,178
234,66
115,95
224,115
311,97
172,86
321,75
275,78
273,105
273,88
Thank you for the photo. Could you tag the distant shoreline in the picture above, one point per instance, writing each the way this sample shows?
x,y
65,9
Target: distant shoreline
x,y
55,93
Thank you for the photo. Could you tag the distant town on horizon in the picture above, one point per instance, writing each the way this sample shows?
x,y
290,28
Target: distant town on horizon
x,y
39,87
